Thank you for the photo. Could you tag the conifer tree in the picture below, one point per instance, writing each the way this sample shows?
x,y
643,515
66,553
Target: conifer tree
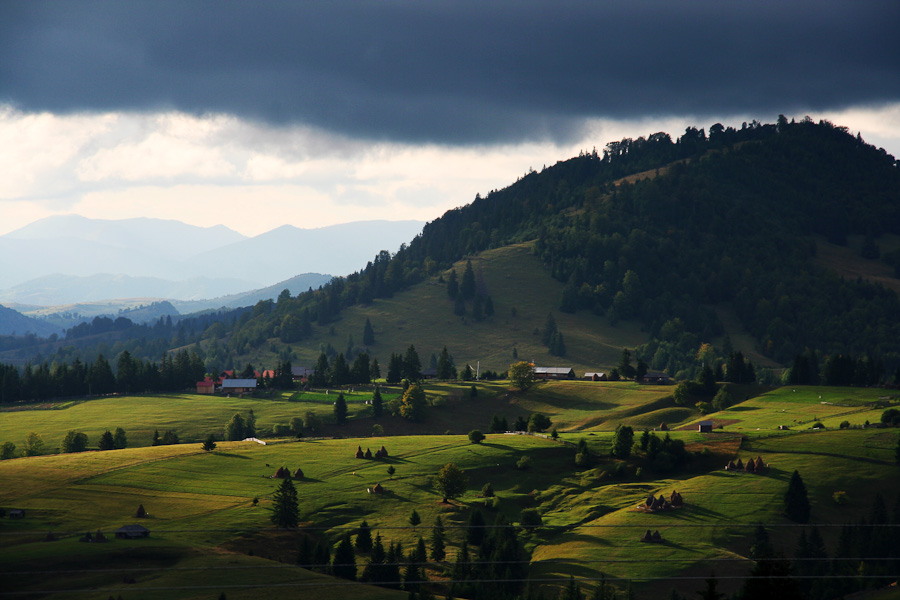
x,y
374,571
285,508
106,441
467,285
476,528
120,440
452,284
368,337
438,540
377,402
340,409
344,564
364,538
796,501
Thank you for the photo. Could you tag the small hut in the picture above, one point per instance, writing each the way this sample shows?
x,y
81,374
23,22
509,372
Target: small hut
x,y
705,426
368,453
298,474
140,513
132,532
378,489
16,513
359,452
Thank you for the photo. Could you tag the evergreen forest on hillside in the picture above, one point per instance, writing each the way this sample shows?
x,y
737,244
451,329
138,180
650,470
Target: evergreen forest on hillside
x,y
659,231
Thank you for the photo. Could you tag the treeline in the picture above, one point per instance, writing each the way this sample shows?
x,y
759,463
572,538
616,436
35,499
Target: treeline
x,y
175,372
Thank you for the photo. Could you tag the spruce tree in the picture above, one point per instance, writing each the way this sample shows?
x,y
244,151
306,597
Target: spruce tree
x,y
414,518
796,501
344,564
467,286
438,541
374,571
340,409
285,508
106,441
120,440
364,538
368,338
476,528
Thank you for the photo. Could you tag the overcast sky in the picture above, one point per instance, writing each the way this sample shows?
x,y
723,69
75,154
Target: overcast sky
x,y
259,114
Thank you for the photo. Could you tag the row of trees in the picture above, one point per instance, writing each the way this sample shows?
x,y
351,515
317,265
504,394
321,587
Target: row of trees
x,y
175,372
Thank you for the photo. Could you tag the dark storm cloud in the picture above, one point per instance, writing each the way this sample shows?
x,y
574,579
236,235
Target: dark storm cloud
x,y
454,72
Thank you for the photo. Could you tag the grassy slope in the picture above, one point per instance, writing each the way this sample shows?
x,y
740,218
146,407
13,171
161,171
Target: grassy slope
x,y
514,278
591,525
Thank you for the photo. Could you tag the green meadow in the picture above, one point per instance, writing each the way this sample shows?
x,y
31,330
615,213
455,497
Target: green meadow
x,y
800,407
208,535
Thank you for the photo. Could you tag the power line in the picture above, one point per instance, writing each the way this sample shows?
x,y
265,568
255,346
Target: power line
x,y
342,583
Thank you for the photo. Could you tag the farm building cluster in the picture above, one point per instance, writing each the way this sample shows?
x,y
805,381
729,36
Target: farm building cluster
x,y
568,373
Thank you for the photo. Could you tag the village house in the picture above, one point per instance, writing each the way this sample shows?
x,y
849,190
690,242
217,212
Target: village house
x,y
132,532
298,373
207,386
595,377
656,378
238,386
554,373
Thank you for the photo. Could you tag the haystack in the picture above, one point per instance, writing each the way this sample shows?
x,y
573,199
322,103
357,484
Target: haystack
x,y
368,453
378,489
648,537
359,452
739,465
140,513
298,474
384,451
751,466
656,537
676,499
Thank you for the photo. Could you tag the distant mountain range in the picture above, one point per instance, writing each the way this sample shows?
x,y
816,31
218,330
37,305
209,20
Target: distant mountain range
x,y
69,259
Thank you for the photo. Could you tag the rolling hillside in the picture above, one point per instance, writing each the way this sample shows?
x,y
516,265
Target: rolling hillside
x,y
205,522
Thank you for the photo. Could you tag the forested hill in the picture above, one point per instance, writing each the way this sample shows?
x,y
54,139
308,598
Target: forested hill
x,y
668,232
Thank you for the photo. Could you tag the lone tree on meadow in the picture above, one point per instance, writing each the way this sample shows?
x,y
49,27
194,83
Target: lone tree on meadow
x,y
796,501
340,409
475,436
209,444
285,508
451,482
234,431
521,374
